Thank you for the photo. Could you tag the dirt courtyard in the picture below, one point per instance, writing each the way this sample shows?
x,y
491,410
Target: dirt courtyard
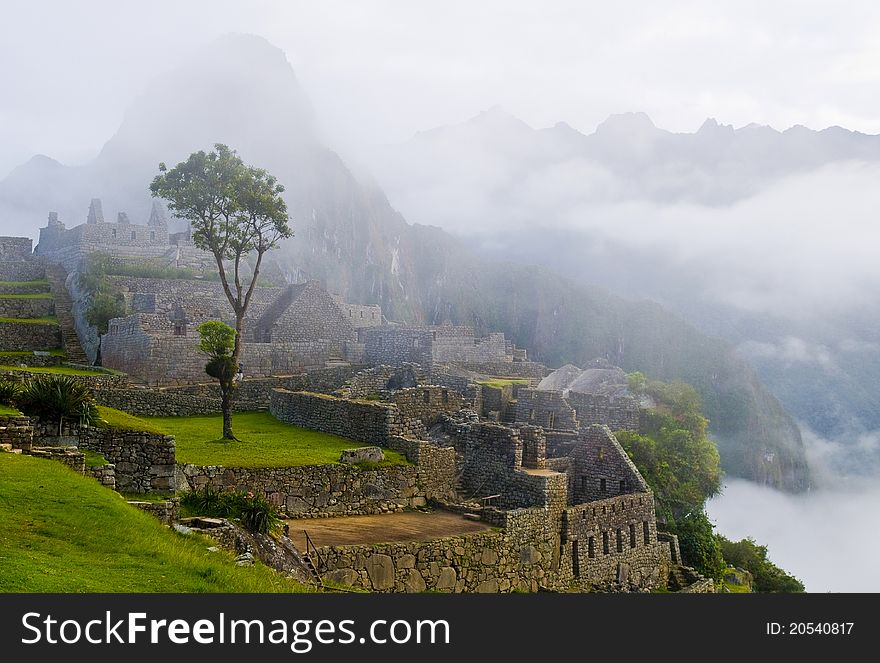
x,y
384,528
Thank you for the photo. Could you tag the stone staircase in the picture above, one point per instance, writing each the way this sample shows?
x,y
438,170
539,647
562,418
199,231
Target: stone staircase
x,y
64,312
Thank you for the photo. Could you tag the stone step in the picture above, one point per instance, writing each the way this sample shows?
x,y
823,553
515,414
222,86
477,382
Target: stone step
x,y
63,311
5,447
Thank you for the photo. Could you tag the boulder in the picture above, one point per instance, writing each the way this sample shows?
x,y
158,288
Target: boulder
x,y
362,454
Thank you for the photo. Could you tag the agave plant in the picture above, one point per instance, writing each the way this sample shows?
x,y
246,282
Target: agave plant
x,y
58,398
9,392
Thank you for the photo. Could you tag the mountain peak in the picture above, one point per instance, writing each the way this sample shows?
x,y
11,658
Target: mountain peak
x,y
711,126
627,123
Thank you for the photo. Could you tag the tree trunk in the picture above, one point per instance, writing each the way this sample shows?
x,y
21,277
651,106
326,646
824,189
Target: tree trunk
x,y
227,390
226,406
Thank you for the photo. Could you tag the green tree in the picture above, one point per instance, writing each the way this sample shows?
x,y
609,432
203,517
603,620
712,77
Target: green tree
x,y
767,577
699,545
217,340
235,211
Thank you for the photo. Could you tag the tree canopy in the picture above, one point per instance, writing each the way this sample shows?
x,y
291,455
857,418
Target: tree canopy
x,y
234,210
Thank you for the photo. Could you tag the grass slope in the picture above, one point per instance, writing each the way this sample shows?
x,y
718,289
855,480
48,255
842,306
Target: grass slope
x,y
62,532
30,295
112,418
264,442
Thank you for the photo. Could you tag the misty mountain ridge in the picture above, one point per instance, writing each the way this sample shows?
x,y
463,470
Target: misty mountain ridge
x,y
242,91
758,236
635,160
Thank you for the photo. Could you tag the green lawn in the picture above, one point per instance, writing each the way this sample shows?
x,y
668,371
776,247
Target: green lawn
x,y
33,295
57,352
62,532
50,320
264,442
53,370
13,284
500,383
6,410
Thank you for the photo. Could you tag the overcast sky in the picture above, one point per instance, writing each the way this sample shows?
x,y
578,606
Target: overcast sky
x,y
378,71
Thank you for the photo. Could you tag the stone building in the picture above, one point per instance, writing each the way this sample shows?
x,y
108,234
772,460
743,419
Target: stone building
x,y
394,345
123,239
289,330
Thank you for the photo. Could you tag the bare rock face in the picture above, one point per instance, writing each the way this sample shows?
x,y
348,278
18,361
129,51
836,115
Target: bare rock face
x,y
362,454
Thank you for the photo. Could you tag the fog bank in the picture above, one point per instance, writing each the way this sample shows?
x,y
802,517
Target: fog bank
x,y
826,538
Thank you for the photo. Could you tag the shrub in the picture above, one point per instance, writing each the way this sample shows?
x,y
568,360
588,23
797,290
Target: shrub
x,y
258,514
9,392
58,397
253,512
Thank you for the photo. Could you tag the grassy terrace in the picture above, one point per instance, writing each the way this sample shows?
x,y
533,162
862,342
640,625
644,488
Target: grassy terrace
x,y
49,320
33,295
7,410
28,353
263,442
500,383
62,532
16,284
54,370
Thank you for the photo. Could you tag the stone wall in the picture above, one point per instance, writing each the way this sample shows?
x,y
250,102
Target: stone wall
x,y
18,264
200,300
145,347
22,270
382,380
26,307
15,248
427,403
437,471
74,459
17,431
29,336
167,511
493,456
547,409
144,462
369,422
359,315
103,474
252,394
620,413
395,346
458,344
316,490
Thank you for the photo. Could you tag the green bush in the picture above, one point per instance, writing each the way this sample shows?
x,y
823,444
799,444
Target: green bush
x,y
9,392
257,514
56,398
253,512
700,547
